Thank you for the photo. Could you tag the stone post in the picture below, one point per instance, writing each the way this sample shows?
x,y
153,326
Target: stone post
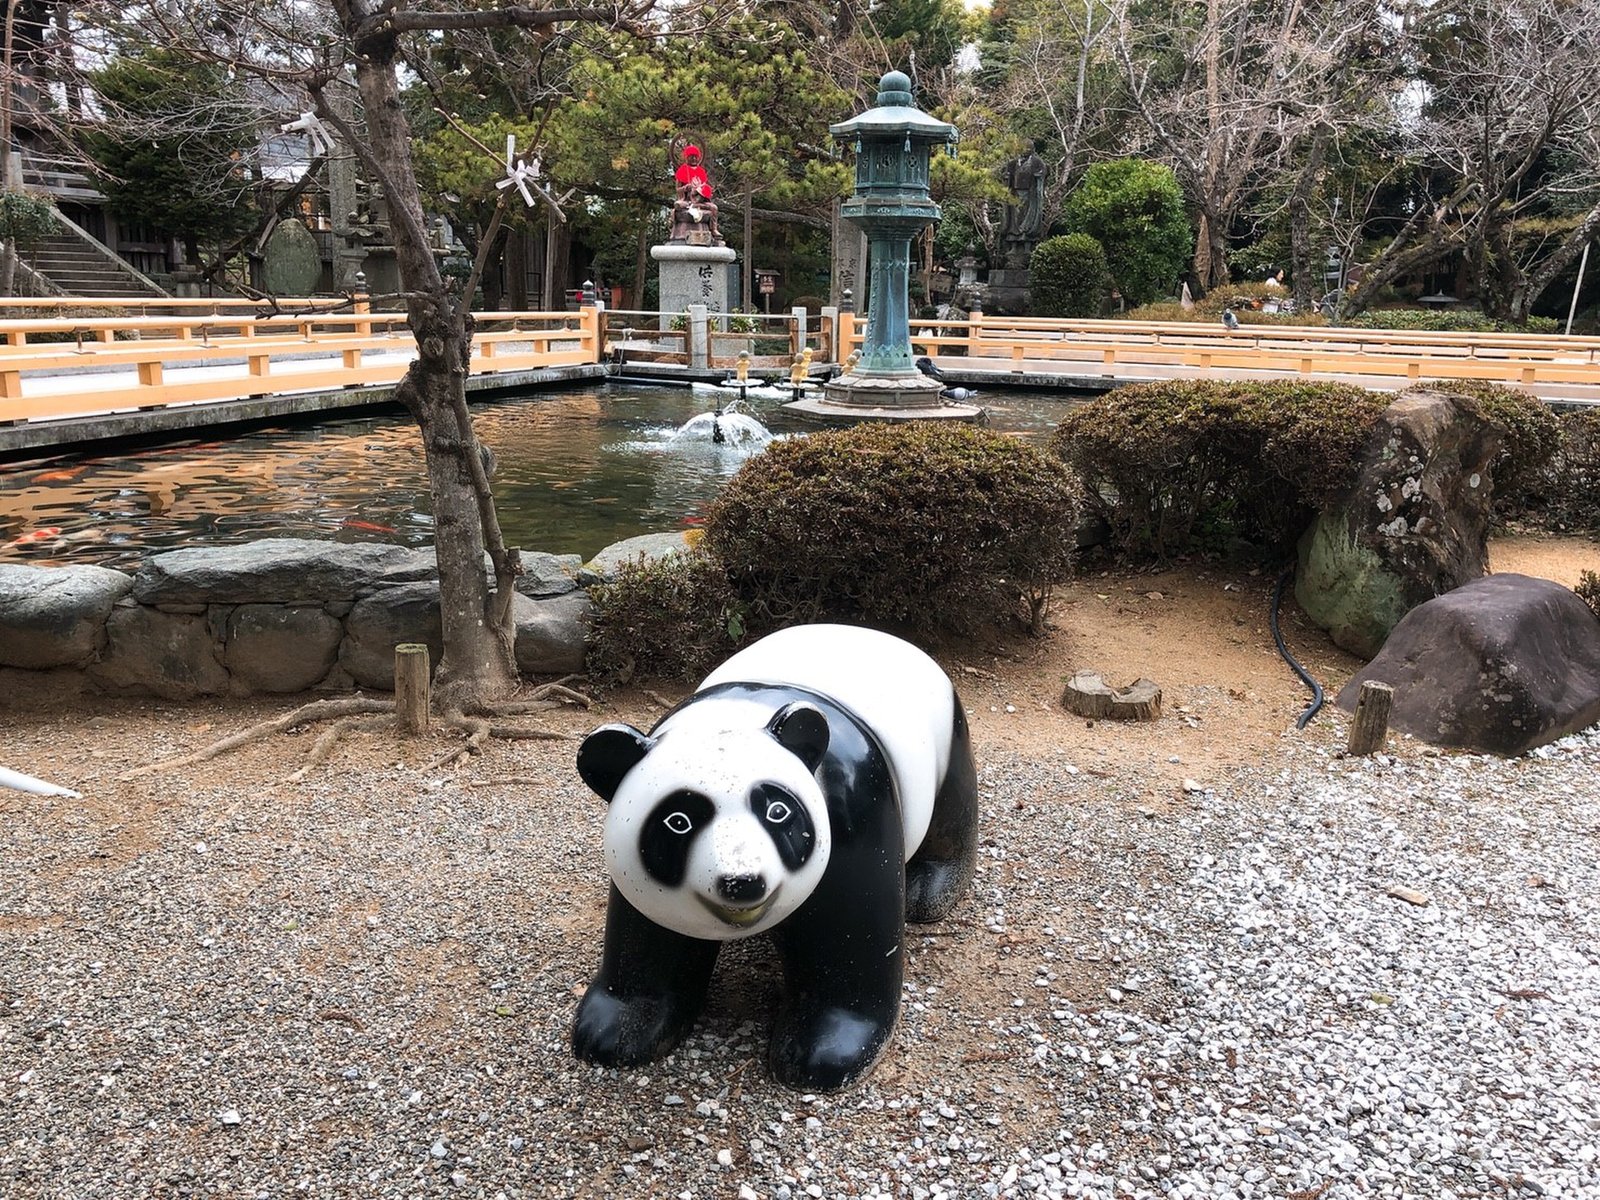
x,y
699,336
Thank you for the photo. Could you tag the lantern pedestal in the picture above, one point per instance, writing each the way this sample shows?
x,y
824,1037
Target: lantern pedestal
x,y
855,397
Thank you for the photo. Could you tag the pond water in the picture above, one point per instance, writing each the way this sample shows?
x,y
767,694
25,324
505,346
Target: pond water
x,y
577,470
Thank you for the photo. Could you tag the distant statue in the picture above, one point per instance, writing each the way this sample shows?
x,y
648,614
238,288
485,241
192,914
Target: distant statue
x,y
694,212
1024,175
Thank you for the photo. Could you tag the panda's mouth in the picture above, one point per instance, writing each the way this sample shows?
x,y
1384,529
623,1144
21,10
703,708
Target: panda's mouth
x,y
740,916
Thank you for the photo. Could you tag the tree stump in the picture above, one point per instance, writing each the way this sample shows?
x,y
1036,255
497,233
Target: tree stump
x,y
1369,726
1088,695
412,696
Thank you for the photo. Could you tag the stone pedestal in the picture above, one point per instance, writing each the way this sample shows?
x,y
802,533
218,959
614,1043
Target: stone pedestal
x,y
693,275
1007,292
864,397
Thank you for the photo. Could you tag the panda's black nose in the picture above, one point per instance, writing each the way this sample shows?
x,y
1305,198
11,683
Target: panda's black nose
x,y
741,889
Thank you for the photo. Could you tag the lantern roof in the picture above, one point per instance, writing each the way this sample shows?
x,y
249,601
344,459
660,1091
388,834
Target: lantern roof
x,y
895,115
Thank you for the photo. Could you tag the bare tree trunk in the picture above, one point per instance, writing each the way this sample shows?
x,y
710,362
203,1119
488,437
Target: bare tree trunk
x,y
1534,284
1300,248
641,267
557,260
478,666
516,260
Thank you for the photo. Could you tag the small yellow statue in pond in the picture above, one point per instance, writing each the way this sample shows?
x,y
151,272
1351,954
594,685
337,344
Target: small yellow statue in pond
x,y
801,371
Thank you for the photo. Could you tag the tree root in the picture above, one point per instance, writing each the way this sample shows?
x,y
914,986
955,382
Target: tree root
x,y
360,714
317,710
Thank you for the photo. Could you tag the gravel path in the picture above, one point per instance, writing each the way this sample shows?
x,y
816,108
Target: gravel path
x,y
1315,979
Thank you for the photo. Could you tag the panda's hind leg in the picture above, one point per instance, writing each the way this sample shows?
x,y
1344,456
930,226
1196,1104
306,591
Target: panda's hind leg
x,y
645,997
941,870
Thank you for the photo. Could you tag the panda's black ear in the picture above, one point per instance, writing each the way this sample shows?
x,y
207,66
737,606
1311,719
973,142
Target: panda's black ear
x,y
801,729
608,754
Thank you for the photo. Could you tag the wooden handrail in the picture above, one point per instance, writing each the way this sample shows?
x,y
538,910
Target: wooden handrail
x,y
250,357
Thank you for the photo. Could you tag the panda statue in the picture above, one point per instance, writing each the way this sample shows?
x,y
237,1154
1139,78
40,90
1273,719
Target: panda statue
x,y
818,786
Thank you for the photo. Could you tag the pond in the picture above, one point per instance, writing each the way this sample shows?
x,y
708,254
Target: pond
x,y
576,470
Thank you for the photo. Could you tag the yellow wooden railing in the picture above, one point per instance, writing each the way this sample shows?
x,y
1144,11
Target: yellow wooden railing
x,y
54,367
1123,349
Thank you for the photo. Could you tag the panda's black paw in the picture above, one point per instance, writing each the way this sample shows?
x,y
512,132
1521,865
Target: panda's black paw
x,y
932,889
612,1032
829,1049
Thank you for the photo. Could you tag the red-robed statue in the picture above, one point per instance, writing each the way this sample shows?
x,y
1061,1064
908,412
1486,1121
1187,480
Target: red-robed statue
x,y
694,212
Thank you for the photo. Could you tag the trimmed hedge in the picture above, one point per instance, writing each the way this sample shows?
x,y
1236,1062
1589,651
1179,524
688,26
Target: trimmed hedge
x,y
1188,465
1562,493
1458,321
1068,277
669,618
921,528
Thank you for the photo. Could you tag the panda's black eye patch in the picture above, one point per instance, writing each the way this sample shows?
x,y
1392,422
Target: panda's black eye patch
x,y
786,822
669,832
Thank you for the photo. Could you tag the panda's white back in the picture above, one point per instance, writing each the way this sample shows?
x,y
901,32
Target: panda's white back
x,y
901,694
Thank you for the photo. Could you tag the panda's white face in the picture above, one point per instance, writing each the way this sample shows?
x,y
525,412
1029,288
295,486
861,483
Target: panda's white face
x,y
717,834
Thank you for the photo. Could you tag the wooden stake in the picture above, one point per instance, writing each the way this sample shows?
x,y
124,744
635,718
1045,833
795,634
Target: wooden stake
x,y
1369,727
412,701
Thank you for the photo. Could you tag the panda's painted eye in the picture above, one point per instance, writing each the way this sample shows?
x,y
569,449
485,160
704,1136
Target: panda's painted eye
x,y
786,822
668,834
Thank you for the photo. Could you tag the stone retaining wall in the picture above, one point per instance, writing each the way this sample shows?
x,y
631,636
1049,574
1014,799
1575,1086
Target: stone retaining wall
x,y
275,616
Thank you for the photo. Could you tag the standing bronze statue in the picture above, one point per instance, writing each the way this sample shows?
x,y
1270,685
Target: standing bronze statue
x,y
1024,216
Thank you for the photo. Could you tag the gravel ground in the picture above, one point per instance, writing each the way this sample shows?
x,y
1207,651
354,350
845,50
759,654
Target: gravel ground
x,y
1316,979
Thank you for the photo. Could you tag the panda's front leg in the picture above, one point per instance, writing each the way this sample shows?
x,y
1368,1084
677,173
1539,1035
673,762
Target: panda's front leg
x,y
647,993
841,955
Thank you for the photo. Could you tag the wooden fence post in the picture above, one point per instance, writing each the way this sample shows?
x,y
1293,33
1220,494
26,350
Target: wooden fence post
x,y
1369,727
412,699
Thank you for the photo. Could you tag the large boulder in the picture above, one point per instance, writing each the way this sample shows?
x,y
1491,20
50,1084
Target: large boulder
x,y
548,574
278,571
280,647
647,547
55,616
382,621
172,655
1501,664
552,634
1414,526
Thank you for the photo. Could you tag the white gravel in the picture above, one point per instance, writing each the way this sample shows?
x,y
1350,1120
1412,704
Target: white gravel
x,y
1319,979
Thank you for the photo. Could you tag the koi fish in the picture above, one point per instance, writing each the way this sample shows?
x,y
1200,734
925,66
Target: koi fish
x,y
369,526
58,476
45,534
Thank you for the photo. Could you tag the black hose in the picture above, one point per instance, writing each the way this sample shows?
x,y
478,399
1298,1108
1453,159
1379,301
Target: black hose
x,y
1277,636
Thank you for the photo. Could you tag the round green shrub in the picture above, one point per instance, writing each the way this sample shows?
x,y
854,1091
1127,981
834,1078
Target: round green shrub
x,y
1134,209
1067,277
25,218
1187,465
668,618
918,527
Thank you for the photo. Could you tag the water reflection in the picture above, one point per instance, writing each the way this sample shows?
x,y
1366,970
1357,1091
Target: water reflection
x,y
576,472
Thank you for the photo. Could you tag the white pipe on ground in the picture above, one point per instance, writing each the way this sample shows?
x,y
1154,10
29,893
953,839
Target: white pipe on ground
x,y
19,782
